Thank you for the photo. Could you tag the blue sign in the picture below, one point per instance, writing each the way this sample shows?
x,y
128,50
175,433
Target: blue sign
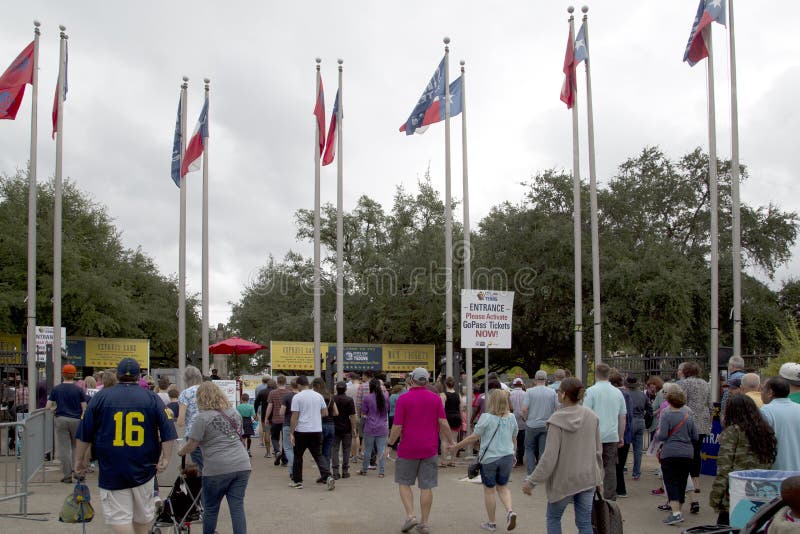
x,y
360,357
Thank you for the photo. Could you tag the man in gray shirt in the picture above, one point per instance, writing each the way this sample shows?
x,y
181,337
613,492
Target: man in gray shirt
x,y
540,403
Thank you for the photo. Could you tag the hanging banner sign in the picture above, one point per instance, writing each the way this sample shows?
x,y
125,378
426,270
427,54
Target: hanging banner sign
x,y
486,319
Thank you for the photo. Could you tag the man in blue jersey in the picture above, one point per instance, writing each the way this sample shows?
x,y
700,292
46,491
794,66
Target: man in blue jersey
x,y
132,435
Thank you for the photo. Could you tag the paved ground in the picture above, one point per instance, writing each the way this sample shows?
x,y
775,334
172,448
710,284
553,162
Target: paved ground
x,y
365,505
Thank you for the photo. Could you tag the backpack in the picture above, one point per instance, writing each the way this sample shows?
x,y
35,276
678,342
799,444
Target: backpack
x,y
606,517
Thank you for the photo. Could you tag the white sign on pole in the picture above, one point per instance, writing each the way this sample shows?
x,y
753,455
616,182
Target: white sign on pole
x,y
228,387
486,318
44,337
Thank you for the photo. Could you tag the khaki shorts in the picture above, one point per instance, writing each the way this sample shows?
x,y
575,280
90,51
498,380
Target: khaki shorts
x,y
121,507
423,471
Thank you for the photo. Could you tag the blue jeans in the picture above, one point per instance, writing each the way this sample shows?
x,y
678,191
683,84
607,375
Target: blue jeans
x,y
534,446
583,512
327,442
638,443
232,486
380,443
288,450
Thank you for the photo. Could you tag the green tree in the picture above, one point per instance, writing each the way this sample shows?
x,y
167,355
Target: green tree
x,y
107,290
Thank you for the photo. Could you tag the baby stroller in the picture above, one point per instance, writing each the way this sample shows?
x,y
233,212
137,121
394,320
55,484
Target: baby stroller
x,y
183,505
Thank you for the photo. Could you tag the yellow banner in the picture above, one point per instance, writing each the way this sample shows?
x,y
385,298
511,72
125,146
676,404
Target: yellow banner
x,y
108,352
408,357
13,343
294,355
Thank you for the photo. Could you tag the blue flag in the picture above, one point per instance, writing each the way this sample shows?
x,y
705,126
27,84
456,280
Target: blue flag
x,y
176,150
581,52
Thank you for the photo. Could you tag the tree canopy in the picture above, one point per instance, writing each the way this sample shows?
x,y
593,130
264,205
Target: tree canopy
x,y
107,290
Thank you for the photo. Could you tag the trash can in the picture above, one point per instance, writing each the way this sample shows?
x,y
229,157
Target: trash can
x,y
749,490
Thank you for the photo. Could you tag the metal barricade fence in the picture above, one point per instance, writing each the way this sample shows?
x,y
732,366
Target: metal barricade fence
x,y
33,440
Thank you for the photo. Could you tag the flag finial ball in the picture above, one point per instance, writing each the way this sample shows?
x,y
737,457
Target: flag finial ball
x,y
446,40
37,23
62,27
585,9
340,61
185,78
461,62
318,60
570,9
207,81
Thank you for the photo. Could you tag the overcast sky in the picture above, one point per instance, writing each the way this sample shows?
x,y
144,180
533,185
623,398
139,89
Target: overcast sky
x,y
127,58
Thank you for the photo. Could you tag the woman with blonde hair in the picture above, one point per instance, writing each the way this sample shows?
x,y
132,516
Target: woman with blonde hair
x,y
497,431
217,430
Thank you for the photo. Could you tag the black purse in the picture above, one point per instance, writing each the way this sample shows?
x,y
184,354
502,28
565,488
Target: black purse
x,y
474,469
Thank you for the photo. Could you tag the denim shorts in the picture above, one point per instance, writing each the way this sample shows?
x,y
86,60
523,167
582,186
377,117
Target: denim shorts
x,y
497,472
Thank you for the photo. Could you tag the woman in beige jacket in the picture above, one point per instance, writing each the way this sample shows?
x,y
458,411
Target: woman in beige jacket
x,y
572,464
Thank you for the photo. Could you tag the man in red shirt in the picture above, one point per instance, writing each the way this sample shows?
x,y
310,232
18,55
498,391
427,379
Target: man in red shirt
x,y
419,419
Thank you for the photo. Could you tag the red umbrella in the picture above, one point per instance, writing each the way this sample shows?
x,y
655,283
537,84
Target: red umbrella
x,y
235,346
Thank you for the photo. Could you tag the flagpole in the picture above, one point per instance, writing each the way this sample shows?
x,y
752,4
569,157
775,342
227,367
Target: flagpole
x,y
317,283
576,217
339,234
182,247
596,309
467,231
57,212
33,375
712,179
735,206
204,327
448,219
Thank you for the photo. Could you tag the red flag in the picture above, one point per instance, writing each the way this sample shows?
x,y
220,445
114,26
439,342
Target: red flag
x,y
570,87
12,83
333,134
55,97
319,113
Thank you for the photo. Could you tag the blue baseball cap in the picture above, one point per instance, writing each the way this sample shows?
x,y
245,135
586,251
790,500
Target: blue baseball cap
x,y
128,367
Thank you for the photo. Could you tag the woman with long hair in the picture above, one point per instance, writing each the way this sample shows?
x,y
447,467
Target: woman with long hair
x,y
497,431
217,431
747,442
375,411
698,399
187,407
328,426
571,466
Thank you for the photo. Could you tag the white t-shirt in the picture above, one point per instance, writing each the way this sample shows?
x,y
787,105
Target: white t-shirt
x,y
309,405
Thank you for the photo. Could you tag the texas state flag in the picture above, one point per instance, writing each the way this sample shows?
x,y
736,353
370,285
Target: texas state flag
x,y
333,134
319,113
12,83
196,145
430,108
707,12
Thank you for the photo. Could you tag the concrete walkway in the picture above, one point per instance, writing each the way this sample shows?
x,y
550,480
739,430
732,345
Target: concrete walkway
x,y
366,504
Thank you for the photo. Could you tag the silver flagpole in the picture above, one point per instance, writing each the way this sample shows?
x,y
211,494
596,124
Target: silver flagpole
x,y
735,207
33,375
576,216
317,284
448,220
596,309
339,234
182,248
57,213
712,179
204,328
467,233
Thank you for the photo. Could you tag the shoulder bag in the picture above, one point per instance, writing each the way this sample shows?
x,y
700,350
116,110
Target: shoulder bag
x,y
671,432
474,468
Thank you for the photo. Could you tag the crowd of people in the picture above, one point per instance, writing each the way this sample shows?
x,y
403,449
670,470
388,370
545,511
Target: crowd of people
x,y
573,440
